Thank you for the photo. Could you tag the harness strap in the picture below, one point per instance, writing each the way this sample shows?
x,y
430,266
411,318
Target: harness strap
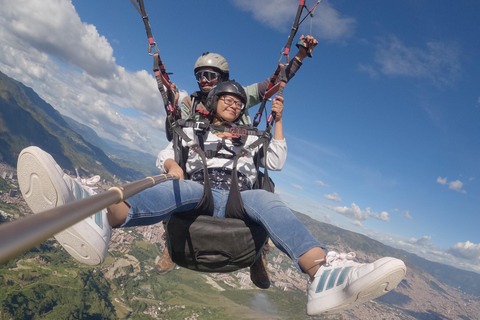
x,y
205,125
164,84
197,125
239,131
234,207
216,153
206,203
272,86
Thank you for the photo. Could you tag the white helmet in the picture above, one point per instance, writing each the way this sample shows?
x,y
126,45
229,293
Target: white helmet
x,y
214,61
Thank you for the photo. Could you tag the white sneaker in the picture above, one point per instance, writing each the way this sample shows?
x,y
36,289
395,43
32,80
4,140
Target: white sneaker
x,y
342,283
44,186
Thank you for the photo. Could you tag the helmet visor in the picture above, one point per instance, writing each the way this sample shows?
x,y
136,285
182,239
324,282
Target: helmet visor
x,y
207,75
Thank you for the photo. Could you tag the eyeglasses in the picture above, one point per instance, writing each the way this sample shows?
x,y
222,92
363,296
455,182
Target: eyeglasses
x,y
229,101
207,75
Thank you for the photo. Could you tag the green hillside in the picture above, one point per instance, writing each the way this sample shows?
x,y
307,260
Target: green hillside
x,y
45,283
25,120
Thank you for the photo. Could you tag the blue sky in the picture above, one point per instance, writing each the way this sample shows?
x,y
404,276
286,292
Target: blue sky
x,y
381,124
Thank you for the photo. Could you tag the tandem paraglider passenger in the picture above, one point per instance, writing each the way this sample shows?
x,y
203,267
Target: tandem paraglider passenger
x,y
211,69
217,177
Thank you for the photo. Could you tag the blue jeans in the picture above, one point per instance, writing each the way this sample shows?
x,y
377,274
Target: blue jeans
x,y
283,227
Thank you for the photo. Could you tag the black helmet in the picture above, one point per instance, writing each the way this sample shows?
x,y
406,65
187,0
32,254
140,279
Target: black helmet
x,y
227,87
214,61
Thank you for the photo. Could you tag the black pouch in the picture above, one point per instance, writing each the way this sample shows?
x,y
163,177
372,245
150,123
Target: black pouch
x,y
211,244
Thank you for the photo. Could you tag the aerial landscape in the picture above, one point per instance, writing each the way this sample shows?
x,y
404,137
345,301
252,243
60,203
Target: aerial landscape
x,y
45,282
380,116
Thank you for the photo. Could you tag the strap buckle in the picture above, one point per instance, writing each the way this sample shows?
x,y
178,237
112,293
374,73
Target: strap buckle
x,y
198,125
238,132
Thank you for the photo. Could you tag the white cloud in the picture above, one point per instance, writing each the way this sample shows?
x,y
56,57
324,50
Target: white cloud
x,y
440,256
321,183
423,241
428,251
45,45
456,185
384,216
357,223
466,250
407,215
297,186
334,196
437,62
328,23
442,180
354,212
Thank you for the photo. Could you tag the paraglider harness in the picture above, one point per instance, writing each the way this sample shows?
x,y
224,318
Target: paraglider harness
x,y
215,244
196,240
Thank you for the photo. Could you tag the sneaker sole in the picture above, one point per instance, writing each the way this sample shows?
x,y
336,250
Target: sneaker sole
x,y
380,281
37,177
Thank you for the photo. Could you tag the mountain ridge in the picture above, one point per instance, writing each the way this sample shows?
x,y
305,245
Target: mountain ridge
x,y
26,119
468,281
141,161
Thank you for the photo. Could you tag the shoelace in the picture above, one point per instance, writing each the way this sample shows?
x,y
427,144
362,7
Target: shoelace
x,y
89,183
335,257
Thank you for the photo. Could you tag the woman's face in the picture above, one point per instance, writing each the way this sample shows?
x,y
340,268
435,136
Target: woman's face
x,y
229,107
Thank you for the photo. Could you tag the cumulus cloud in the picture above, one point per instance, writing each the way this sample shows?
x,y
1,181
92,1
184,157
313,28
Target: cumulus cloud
x,y
437,62
384,216
54,28
456,185
327,22
334,197
442,180
45,45
466,250
354,212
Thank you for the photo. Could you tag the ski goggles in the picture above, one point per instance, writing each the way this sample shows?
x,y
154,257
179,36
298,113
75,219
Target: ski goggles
x,y
207,75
